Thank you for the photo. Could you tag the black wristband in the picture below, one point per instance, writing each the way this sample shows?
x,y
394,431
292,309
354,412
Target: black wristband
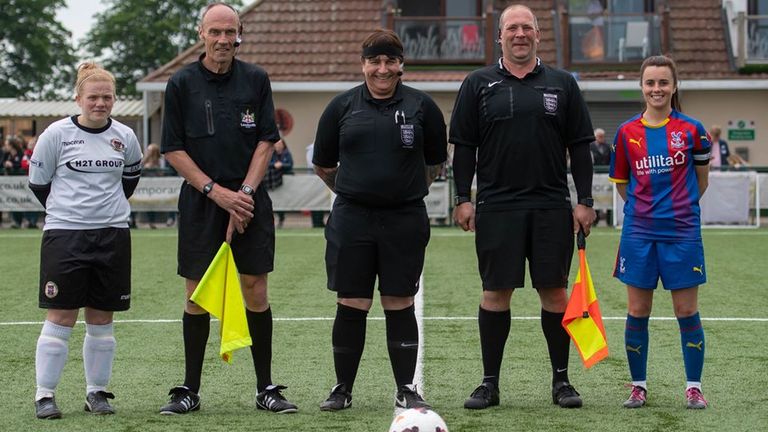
x,y
589,202
461,200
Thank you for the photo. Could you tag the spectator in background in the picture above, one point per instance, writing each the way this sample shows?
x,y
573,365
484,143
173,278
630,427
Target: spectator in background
x,y
601,150
318,217
601,156
280,164
14,154
720,151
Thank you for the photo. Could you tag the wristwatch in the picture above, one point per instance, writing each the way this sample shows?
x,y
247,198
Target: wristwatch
x,y
458,199
247,189
588,202
208,188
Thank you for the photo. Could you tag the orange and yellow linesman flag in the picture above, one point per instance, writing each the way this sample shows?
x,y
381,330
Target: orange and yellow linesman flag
x,y
219,293
582,319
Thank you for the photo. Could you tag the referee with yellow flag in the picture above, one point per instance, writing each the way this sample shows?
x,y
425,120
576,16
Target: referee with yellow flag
x,y
218,133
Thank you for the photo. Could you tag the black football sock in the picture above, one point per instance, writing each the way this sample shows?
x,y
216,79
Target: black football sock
x,y
558,344
260,327
402,343
494,331
196,329
348,341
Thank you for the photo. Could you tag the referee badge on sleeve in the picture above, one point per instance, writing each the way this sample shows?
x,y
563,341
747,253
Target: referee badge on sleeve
x,y
406,135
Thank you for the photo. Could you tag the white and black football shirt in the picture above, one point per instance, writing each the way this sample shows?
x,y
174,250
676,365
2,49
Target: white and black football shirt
x,y
85,168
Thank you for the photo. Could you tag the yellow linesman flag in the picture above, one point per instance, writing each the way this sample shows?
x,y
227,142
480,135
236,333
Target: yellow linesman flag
x,y
220,294
583,320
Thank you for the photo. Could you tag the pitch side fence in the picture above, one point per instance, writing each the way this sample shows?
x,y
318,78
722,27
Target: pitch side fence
x,y
733,198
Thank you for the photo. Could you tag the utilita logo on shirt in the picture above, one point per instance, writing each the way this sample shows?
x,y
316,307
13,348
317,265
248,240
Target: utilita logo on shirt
x,y
658,164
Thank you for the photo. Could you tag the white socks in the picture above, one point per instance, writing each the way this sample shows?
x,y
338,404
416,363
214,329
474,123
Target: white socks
x,y
98,353
50,357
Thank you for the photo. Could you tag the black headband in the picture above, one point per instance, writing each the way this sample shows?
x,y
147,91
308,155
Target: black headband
x,y
388,49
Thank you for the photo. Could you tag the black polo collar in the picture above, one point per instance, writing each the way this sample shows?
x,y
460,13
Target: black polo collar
x,y
396,97
505,72
212,76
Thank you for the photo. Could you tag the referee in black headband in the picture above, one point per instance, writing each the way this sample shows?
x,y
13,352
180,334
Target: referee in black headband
x,y
378,147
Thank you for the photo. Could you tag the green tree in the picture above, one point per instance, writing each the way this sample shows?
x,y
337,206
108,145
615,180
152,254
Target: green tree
x,y
37,57
134,37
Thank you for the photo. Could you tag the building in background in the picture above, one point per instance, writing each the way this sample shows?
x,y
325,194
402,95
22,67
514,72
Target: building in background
x,y
311,49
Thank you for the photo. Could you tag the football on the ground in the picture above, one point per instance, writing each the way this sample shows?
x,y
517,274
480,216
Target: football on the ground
x,y
418,420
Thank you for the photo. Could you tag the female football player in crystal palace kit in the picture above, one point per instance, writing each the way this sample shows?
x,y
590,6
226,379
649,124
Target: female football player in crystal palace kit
x,y
660,165
82,171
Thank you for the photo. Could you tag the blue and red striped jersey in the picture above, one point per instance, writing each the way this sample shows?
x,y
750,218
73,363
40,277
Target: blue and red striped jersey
x,y
657,162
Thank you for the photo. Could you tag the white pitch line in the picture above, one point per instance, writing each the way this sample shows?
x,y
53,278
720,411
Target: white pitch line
x,y
617,233
458,318
418,304
435,233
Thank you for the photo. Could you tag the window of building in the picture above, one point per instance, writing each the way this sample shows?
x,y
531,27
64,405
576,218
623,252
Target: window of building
x,y
757,30
613,31
441,31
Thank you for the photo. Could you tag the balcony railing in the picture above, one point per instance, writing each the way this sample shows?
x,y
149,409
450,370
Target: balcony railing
x,y
612,38
445,40
752,39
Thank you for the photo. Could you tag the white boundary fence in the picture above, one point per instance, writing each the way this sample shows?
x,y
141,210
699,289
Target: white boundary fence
x,y
300,192
731,198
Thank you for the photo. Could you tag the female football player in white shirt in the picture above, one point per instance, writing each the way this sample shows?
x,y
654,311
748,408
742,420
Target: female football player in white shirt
x,y
82,171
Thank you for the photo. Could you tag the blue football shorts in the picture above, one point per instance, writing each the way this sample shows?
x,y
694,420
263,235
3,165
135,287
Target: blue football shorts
x,y
680,264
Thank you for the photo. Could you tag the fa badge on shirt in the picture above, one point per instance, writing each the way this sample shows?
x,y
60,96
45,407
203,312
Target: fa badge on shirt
x,y
406,135
550,103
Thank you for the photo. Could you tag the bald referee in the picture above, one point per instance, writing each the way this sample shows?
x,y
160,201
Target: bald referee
x,y
218,133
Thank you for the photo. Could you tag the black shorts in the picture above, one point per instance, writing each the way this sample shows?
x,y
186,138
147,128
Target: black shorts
x,y
505,239
86,268
365,242
203,228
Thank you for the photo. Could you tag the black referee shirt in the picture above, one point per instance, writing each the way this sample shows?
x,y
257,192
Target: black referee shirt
x,y
218,119
381,146
522,128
